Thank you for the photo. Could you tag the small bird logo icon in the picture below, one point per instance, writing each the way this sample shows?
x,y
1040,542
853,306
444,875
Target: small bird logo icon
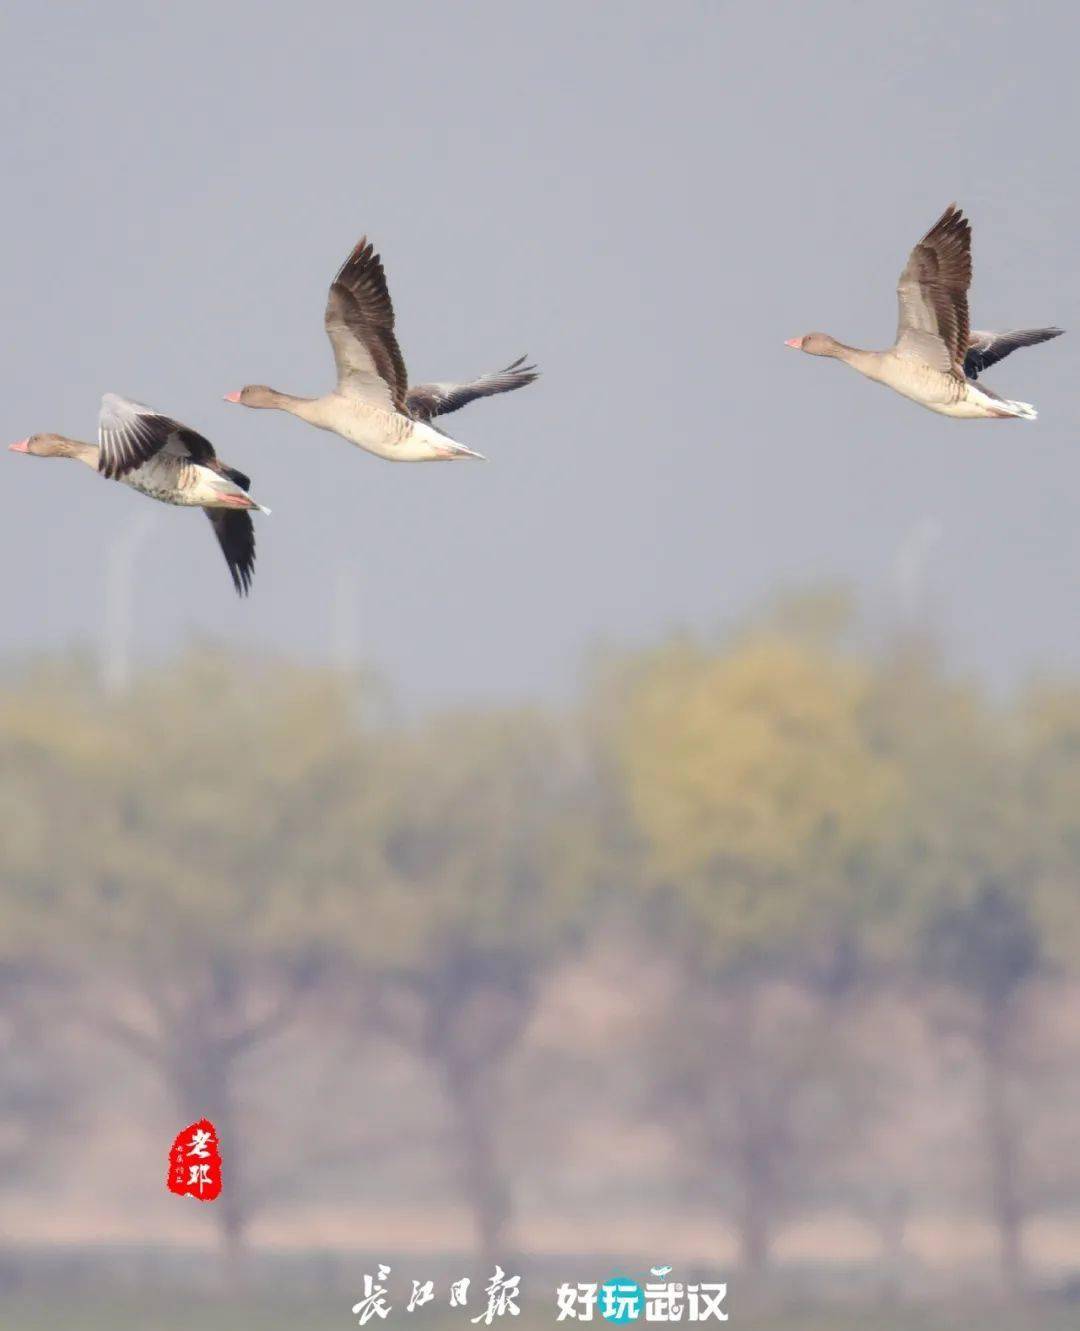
x,y
660,1271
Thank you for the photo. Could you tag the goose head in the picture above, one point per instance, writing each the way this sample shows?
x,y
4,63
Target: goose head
x,y
255,395
47,446
815,344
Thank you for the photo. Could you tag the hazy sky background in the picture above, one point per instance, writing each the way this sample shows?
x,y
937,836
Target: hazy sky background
x,y
648,200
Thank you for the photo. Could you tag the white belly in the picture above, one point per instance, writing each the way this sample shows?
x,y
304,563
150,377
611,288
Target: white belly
x,y
939,393
971,407
384,433
976,405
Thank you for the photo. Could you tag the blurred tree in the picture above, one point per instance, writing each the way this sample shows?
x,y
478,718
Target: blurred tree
x,y
988,948
958,864
958,816
1050,766
174,864
758,797
34,1085
35,1081
484,845
207,854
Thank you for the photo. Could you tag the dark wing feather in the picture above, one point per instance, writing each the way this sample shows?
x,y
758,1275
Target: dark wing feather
x,y
427,400
130,434
236,536
235,475
360,325
932,295
986,349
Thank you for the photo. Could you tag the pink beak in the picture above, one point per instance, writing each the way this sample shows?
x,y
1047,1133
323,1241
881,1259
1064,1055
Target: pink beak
x,y
232,397
795,342
23,446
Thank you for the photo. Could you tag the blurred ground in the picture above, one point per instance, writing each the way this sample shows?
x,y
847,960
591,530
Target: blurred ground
x,y
180,1314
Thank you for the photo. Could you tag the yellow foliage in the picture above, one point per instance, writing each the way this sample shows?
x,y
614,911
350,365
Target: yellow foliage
x,y
751,777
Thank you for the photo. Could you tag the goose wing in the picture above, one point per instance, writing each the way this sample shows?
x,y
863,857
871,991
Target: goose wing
x,y
933,295
360,325
235,532
986,349
130,434
427,400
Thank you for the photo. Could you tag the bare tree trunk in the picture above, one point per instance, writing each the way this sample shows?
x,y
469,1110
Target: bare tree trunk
x,y
1003,1144
234,1214
755,1142
470,1028
470,1093
201,1072
890,1218
754,1218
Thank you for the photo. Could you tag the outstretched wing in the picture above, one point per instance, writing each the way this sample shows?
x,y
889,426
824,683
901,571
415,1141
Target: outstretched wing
x,y
427,400
932,295
236,536
986,349
130,434
360,325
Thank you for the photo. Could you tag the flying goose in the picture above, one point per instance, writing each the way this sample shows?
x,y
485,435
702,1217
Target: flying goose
x,y
372,405
168,461
936,358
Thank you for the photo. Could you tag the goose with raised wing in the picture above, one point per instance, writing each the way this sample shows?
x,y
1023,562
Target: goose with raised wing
x,y
372,405
170,462
936,358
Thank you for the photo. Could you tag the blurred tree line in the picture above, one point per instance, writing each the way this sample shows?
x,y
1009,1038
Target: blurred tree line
x,y
835,851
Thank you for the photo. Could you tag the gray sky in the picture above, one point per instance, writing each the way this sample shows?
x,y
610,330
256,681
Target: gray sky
x,y
648,200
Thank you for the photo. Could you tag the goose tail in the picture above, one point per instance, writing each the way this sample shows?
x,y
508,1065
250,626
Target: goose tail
x,y
456,450
1023,411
